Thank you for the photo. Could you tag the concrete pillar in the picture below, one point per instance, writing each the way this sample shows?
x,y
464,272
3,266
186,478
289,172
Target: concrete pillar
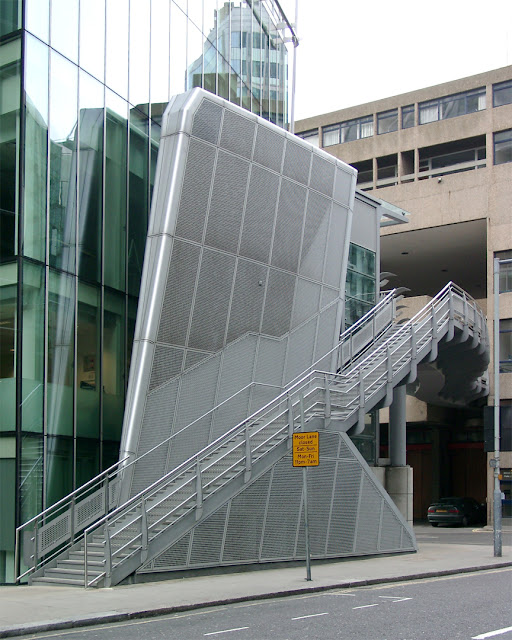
x,y
397,428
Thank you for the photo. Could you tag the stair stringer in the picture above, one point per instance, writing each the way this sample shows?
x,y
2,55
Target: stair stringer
x,y
350,515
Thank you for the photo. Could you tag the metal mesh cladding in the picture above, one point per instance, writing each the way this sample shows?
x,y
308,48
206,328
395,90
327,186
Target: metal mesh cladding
x,y
349,514
243,220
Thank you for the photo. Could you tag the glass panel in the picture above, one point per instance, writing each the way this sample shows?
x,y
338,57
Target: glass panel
x,y
139,53
37,18
7,505
10,16
366,128
115,195
506,346
63,122
64,27
160,43
117,51
8,298
61,353
452,108
59,469
31,480
87,460
90,192
9,145
33,347
113,365
505,271
88,376
223,45
503,147
36,148
178,50
138,197
349,131
428,112
92,37
387,122
195,54
331,136
408,116
361,260
502,93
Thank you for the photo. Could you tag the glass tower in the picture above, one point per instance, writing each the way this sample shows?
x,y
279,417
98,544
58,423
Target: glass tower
x,y
83,85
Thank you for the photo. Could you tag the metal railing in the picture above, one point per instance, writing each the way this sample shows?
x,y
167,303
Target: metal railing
x,y
46,534
130,529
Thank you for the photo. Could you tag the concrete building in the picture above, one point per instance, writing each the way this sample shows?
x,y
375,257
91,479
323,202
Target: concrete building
x,y
444,154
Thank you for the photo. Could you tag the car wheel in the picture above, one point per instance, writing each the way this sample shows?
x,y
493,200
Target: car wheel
x,y
434,524
465,521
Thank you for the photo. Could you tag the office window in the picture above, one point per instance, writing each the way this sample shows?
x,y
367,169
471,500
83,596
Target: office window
x,y
506,345
503,146
505,270
502,93
331,135
387,121
348,131
312,136
452,106
408,116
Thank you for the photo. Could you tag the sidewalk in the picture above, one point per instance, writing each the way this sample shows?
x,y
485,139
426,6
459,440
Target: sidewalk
x,y
26,609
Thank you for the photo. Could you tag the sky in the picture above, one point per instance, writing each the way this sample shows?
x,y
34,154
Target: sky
x,y
352,52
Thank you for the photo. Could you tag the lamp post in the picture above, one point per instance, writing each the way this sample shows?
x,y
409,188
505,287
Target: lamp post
x,y
496,463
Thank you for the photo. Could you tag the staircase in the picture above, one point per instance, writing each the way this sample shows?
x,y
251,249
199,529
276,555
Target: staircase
x,y
372,358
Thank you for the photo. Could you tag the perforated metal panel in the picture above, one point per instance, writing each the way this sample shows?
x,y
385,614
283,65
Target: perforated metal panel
x,y
237,221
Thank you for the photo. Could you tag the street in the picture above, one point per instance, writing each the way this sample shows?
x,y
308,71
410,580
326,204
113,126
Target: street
x,y
471,606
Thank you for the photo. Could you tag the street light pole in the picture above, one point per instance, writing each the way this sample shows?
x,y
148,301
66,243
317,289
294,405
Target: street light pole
x,y
496,462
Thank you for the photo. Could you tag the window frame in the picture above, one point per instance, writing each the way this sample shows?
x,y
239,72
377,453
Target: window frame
x,y
498,87
440,110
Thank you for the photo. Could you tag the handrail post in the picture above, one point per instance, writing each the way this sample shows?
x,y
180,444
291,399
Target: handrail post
x,y
86,579
106,489
144,538
248,456
108,556
36,545
327,411
290,419
301,407
199,490
72,520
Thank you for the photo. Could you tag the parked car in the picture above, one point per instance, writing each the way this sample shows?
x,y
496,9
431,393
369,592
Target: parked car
x,y
461,511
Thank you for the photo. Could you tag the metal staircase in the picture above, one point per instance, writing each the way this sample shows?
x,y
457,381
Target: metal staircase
x,y
70,544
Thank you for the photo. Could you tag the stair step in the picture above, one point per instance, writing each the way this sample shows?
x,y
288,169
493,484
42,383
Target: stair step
x,y
65,582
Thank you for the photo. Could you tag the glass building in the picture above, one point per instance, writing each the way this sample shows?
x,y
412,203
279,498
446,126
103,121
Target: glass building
x,y
83,85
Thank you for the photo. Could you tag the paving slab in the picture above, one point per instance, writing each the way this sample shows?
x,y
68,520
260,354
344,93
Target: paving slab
x,y
30,609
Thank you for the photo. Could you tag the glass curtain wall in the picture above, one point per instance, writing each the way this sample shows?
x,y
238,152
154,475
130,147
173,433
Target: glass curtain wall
x,y
83,86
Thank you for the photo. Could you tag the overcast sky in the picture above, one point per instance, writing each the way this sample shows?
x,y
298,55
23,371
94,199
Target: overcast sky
x,y
355,51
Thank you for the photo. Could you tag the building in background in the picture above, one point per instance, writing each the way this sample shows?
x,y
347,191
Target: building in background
x,y
444,154
82,90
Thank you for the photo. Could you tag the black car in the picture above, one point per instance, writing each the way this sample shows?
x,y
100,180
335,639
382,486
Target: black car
x,y
462,511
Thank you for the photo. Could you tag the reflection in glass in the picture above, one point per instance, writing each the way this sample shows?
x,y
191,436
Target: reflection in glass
x,y
63,122
88,374
117,50
10,16
31,480
36,148
9,145
87,460
37,18
113,365
138,190
178,54
8,298
59,468
64,27
116,140
33,347
138,92
92,37
61,346
90,192
160,43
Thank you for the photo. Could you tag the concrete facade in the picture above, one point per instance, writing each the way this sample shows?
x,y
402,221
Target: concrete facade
x,y
444,172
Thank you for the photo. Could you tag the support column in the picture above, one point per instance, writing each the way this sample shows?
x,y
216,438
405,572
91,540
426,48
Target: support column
x,y
399,479
397,428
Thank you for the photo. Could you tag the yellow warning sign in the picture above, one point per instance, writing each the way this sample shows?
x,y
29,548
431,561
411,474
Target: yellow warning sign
x,y
306,449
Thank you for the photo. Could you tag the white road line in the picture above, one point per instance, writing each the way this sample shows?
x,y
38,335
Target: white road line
x,y
214,633
313,615
396,598
365,606
491,634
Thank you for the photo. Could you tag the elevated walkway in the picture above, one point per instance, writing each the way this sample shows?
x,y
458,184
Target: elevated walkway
x,y
87,540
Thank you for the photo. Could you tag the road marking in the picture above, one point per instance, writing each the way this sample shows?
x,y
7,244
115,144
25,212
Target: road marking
x,y
396,598
491,634
214,633
313,615
365,606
